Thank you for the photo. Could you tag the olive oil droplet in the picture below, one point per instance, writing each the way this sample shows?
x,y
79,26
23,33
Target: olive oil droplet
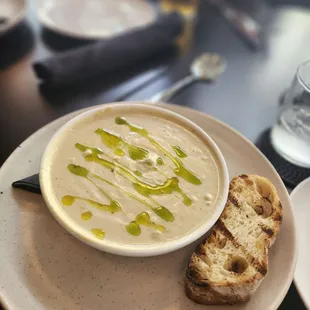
x,y
138,173
133,228
67,200
180,153
160,161
144,219
98,233
86,215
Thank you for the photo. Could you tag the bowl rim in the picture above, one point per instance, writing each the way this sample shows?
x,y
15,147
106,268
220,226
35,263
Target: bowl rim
x,y
139,250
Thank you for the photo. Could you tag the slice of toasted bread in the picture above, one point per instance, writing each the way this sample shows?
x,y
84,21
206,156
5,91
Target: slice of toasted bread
x,y
230,264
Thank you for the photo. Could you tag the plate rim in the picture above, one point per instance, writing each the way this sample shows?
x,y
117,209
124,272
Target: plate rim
x,y
290,277
298,286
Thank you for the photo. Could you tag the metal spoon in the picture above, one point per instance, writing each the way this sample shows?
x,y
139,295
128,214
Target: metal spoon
x,y
207,67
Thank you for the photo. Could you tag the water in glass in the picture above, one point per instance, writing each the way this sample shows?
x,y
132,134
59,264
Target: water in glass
x,y
291,135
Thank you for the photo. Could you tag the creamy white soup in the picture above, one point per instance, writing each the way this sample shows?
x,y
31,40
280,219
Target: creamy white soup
x,y
135,178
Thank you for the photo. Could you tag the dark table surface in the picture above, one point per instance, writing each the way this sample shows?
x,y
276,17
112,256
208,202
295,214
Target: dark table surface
x,y
245,97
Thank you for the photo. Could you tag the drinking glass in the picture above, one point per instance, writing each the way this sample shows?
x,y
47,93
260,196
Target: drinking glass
x,y
187,8
291,135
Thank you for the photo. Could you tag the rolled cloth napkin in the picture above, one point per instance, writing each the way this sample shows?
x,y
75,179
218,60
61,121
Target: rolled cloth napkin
x,y
109,55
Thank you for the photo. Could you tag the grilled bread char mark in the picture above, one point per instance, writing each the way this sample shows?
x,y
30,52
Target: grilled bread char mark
x,y
231,263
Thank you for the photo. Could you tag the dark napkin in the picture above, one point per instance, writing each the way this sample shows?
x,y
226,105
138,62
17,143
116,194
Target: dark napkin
x,y
110,55
30,184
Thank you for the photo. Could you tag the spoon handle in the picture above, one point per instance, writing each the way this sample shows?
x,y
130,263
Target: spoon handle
x,y
165,95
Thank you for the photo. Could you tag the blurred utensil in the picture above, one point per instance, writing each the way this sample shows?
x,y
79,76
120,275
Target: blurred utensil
x,y
242,22
206,67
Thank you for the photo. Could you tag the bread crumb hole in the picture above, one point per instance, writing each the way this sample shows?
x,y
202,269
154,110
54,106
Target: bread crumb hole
x,y
221,242
264,210
264,189
236,264
258,209
207,260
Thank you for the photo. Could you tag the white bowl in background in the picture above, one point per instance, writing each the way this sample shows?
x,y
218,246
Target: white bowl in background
x,y
12,11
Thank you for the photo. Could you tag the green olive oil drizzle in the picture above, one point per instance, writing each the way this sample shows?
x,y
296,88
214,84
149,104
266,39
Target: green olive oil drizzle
x,y
97,151
160,161
138,173
113,207
84,148
86,215
133,228
180,153
143,188
98,233
171,185
180,170
93,156
116,143
161,211
143,218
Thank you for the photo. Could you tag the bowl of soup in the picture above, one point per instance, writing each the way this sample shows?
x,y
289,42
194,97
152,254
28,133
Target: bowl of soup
x,y
134,179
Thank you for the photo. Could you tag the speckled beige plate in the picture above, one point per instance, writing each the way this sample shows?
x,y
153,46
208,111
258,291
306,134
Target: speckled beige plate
x,y
44,267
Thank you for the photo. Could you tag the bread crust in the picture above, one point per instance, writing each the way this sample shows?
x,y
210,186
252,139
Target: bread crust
x,y
253,200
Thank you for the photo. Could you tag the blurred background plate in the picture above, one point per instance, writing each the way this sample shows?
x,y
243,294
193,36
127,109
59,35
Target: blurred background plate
x,y
301,205
94,19
11,13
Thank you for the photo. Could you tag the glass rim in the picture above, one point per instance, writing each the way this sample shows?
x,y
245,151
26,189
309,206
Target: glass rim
x,y
299,75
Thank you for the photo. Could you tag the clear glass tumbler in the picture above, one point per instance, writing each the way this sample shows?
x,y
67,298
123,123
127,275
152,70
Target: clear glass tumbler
x,y
291,135
188,8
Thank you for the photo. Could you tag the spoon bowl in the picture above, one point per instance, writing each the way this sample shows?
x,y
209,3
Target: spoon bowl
x,y
208,66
